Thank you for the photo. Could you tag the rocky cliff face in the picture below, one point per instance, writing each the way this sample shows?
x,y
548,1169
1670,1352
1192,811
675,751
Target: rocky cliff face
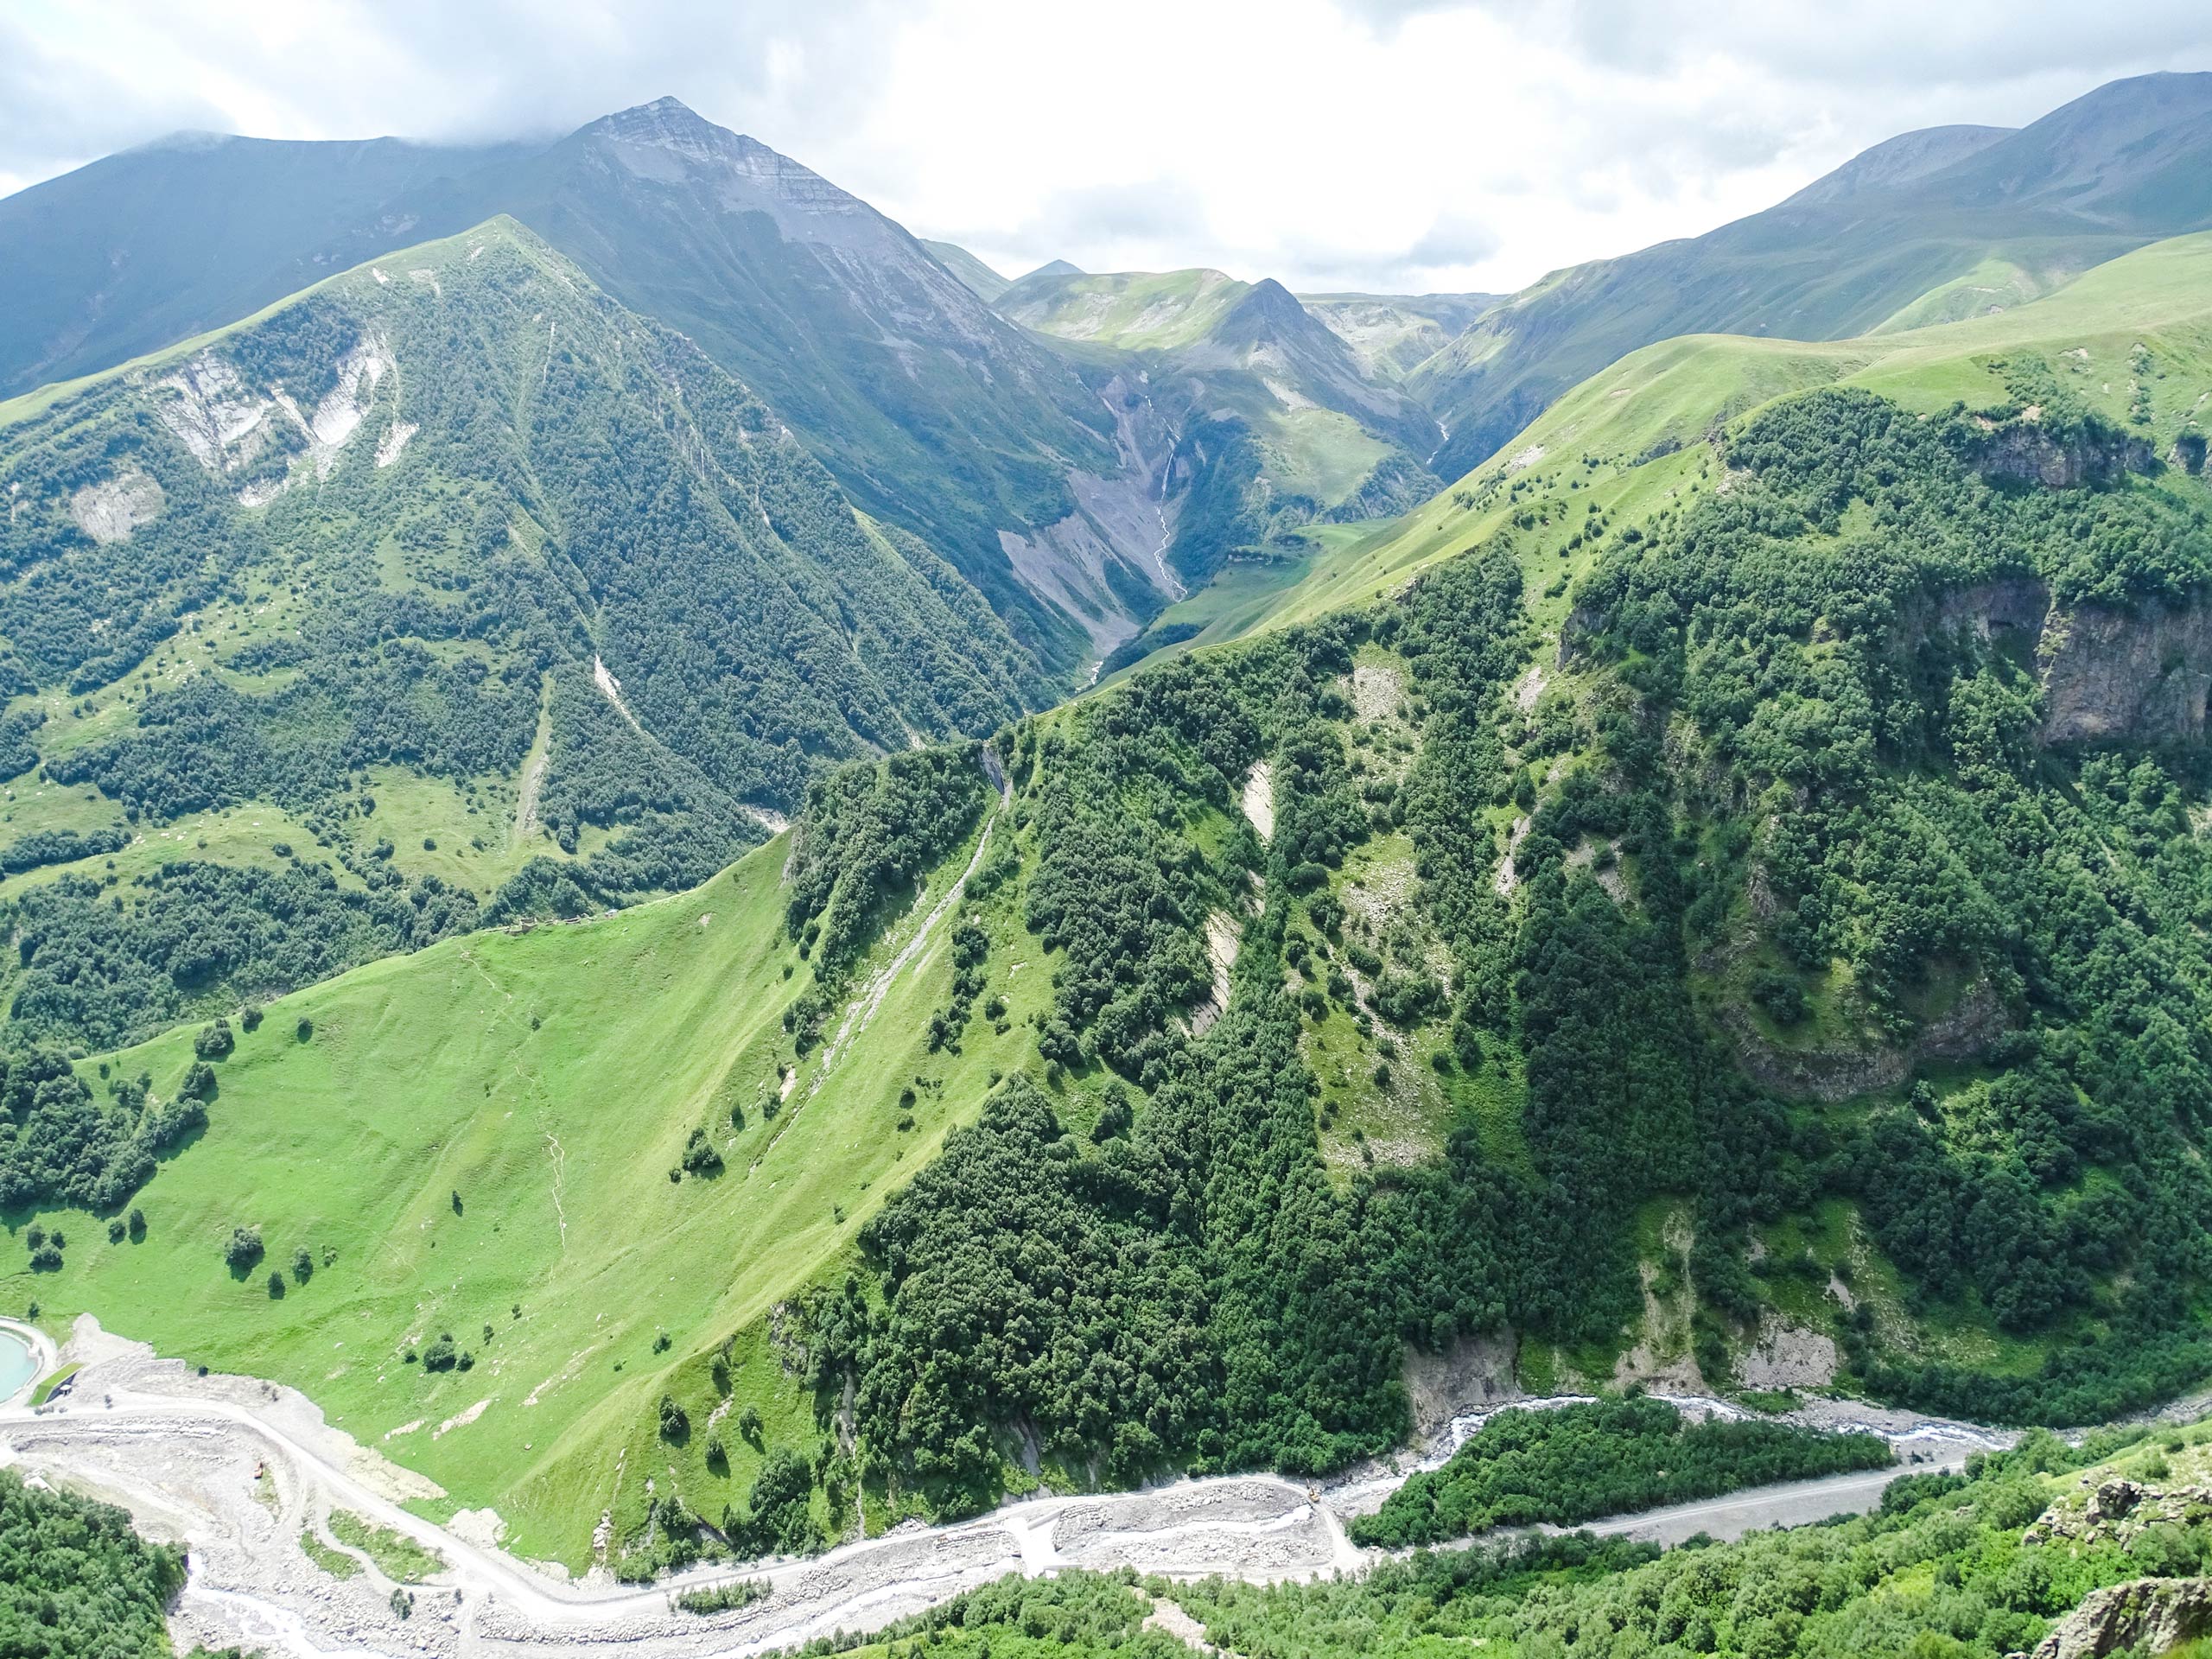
x,y
2144,1615
1843,1072
2027,451
2108,674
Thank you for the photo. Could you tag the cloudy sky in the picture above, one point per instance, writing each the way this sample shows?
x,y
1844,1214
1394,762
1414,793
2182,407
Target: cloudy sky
x,y
1400,145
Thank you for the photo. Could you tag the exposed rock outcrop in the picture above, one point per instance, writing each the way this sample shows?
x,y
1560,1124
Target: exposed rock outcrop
x,y
2117,1510
1474,1374
2147,1615
109,511
1788,1357
1976,1022
2110,674
2031,453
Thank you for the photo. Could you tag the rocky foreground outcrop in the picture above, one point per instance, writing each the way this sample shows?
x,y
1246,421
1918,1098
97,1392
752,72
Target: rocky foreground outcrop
x,y
2144,1615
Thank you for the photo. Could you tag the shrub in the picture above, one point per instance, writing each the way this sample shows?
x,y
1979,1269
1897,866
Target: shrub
x,y
215,1042
722,1598
700,1156
243,1249
438,1354
1781,995
674,1423
778,1520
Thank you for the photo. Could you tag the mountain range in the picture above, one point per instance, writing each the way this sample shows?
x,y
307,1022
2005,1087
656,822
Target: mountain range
x,y
1931,225
1643,834
933,413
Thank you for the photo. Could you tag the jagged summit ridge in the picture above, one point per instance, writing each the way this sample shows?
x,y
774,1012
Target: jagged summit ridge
x,y
667,142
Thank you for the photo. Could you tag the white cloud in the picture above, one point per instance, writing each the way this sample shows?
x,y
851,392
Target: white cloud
x,y
1329,142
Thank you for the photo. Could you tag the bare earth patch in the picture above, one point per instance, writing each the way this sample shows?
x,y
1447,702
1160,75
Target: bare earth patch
x,y
1260,800
1376,692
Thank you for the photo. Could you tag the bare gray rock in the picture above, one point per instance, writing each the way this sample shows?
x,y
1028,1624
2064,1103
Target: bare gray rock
x,y
109,511
2110,674
2150,1615
1976,1021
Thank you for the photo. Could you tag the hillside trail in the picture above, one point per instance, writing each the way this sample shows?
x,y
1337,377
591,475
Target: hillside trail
x,y
237,1470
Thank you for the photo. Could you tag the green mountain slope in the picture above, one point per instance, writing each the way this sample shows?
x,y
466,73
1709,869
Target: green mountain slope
x,y
1275,422
982,280
1649,415
1767,958
489,1133
934,414
447,590
1130,310
1391,334
1926,227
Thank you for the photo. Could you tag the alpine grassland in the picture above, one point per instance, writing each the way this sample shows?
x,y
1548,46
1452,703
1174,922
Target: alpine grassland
x,y
494,1144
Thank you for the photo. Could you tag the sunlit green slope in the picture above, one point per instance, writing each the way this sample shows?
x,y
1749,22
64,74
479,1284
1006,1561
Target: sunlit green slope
x,y
444,591
489,1133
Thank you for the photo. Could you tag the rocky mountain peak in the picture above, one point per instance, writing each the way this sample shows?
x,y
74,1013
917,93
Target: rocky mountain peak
x,y
670,127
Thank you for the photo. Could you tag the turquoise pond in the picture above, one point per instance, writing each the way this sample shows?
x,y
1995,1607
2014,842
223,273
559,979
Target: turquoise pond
x,y
16,1366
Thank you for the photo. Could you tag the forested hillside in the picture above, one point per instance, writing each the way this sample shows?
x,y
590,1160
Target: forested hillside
x,y
1792,947
76,1582
1713,898
446,593
1760,983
